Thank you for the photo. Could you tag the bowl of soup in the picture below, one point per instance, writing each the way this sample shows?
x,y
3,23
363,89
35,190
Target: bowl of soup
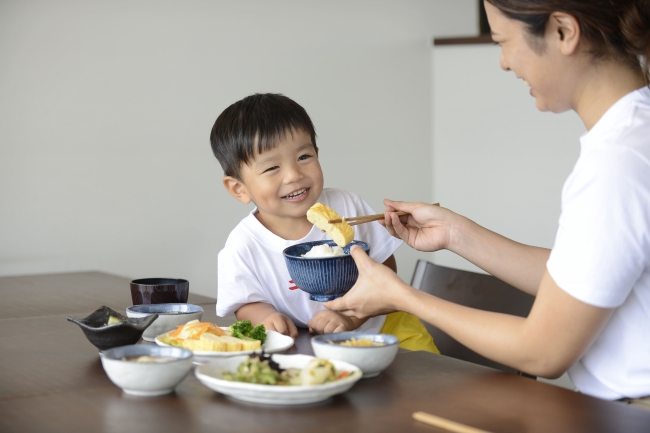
x,y
372,353
145,369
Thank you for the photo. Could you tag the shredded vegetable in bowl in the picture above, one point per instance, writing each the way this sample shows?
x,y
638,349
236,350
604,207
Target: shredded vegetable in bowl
x,y
361,342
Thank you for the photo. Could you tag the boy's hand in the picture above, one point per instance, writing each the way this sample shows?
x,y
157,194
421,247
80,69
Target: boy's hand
x,y
266,314
280,323
328,322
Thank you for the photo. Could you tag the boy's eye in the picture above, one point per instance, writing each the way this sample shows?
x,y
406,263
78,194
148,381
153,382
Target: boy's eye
x,y
303,157
270,169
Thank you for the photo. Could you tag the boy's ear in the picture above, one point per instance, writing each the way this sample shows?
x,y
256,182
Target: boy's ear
x,y
237,189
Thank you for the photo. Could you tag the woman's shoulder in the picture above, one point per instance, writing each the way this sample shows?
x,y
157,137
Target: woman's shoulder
x,y
636,136
622,138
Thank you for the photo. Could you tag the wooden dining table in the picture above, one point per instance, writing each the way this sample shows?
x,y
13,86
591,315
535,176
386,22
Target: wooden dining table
x,y
52,380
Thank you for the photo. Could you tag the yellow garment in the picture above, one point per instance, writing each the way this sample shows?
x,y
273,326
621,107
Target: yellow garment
x,y
411,332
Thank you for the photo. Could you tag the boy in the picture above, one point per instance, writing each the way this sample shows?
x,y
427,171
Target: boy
x,y
266,145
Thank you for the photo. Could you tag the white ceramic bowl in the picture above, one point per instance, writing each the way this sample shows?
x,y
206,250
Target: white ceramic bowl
x,y
146,379
170,316
371,359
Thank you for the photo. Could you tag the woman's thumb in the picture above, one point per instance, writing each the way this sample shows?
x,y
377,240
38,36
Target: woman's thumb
x,y
359,255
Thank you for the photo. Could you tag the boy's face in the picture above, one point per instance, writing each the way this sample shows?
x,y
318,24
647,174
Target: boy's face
x,y
283,182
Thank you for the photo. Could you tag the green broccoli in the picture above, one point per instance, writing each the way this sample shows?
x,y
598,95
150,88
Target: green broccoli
x,y
241,329
258,333
244,329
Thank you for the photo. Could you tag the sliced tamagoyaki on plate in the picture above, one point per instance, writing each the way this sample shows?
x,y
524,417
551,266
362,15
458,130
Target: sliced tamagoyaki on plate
x,y
205,336
341,233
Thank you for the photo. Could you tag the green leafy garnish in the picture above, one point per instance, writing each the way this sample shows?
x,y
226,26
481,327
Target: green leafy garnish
x,y
245,329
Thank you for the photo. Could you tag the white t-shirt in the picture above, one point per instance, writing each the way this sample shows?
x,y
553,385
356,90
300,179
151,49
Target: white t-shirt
x,y
602,249
252,268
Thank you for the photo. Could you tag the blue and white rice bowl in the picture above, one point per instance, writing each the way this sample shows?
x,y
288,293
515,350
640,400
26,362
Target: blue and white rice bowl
x,y
324,278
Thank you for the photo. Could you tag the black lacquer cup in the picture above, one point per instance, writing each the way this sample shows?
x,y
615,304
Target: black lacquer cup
x,y
159,291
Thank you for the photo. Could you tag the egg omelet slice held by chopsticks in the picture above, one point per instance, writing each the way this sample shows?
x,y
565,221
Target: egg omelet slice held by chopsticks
x,y
320,215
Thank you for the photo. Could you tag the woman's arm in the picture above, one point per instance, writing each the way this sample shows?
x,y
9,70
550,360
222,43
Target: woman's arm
x,y
556,333
522,266
431,228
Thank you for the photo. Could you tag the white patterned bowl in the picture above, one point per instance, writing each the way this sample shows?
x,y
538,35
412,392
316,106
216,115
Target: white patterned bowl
x,y
170,316
146,379
370,359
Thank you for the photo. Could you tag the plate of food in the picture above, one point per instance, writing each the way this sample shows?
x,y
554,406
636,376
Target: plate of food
x,y
278,379
209,341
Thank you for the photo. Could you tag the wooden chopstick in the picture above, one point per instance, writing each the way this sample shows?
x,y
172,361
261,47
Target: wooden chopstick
x,y
353,221
366,218
446,424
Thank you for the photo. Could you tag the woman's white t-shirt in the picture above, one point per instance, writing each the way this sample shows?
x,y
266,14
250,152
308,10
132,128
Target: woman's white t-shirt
x,y
252,268
601,254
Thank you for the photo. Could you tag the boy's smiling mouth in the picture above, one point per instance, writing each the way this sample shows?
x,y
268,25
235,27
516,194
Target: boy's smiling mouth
x,y
296,195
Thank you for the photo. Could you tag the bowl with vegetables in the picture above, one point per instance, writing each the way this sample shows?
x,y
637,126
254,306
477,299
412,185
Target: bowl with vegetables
x,y
105,328
170,316
372,353
146,369
278,379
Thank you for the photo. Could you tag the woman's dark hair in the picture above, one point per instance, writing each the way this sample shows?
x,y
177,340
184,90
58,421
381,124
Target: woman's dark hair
x,y
613,28
260,119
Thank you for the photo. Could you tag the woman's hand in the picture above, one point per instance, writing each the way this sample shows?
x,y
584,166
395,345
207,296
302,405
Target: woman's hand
x,y
427,227
377,290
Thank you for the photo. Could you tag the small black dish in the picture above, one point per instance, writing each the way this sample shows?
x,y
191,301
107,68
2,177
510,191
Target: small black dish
x,y
104,336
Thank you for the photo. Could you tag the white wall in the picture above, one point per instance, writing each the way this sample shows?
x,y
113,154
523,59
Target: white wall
x,y
106,108
496,158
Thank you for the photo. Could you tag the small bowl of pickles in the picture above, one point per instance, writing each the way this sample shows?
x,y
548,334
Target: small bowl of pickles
x,y
105,328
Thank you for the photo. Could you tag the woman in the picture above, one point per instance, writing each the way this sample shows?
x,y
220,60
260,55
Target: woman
x,y
591,314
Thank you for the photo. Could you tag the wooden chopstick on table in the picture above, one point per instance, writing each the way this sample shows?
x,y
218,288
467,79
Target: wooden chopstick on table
x,y
353,221
446,424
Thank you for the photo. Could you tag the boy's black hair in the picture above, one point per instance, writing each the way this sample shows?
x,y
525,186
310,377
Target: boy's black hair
x,y
262,118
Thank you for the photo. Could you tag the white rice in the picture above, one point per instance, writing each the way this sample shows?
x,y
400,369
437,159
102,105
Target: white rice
x,y
324,251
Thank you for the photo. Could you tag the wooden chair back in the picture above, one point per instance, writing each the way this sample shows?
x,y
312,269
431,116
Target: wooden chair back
x,y
480,291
